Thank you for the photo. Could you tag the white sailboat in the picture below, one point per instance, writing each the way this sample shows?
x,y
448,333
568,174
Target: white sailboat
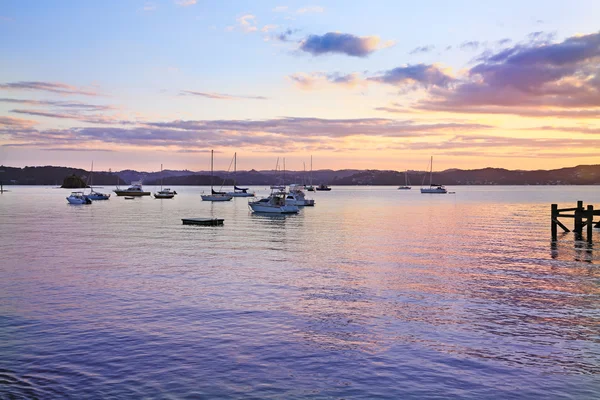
x,y
406,182
164,193
433,189
93,194
238,191
214,196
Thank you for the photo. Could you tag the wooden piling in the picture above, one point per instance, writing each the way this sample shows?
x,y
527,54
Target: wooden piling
x,y
554,220
589,222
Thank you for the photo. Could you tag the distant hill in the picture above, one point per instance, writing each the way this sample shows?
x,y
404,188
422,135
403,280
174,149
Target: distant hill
x,y
49,175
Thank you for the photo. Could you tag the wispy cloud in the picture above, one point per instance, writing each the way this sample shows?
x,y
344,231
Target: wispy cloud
x,y
185,3
422,49
279,9
340,43
268,28
10,122
78,116
221,96
470,45
61,104
317,80
54,87
310,10
285,36
247,23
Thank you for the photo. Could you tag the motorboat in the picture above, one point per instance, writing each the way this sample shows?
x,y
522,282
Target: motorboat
x,y
323,187
78,198
214,195
276,203
297,197
135,189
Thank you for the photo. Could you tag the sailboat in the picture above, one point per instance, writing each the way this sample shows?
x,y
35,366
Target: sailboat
x,y
432,189
310,186
93,194
214,196
238,191
406,183
164,193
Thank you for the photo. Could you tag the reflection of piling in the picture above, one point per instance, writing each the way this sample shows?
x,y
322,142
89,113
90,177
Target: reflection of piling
x,y
583,217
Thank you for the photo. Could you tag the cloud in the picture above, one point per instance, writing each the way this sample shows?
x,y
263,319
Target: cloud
x,y
285,35
574,129
310,10
54,87
287,133
76,115
10,122
470,45
247,23
534,78
280,9
504,41
185,3
268,28
316,80
422,49
221,96
341,43
419,74
61,104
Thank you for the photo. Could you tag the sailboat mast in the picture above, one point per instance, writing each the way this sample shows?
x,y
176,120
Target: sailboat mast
x,y
234,168
311,170
211,171
161,177
430,170
284,171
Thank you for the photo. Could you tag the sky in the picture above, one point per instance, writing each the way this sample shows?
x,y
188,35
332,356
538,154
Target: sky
x,y
384,85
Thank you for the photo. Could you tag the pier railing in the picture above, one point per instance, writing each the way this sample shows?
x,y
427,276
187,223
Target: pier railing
x,y
583,217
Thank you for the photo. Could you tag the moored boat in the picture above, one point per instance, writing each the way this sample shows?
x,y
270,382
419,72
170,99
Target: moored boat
x,y
214,195
433,188
135,189
297,197
78,198
323,187
276,203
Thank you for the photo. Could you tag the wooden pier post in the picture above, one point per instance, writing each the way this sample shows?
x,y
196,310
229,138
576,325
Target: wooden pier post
x,y
554,215
589,222
578,227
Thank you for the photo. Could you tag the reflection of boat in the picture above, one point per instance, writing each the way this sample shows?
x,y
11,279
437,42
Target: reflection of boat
x,y
276,203
135,189
78,198
296,197
214,196
432,189
406,183
324,187
164,193
238,191
93,194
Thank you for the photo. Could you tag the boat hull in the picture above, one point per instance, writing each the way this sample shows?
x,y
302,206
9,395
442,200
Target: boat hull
x,y
131,194
404,188
163,195
77,201
236,194
98,196
216,197
265,208
433,191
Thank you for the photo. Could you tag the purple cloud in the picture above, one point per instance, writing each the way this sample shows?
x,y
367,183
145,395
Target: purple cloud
x,y
420,74
422,49
340,43
61,88
61,104
560,78
221,96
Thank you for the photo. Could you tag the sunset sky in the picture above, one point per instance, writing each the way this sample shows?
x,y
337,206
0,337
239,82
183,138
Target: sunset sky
x,y
381,85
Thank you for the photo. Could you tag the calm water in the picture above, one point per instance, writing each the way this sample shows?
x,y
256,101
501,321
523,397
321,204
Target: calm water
x,y
373,293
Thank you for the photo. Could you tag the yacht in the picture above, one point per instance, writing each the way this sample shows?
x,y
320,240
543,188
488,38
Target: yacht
x,y
297,197
238,191
433,189
214,195
93,195
78,198
135,189
165,193
323,187
276,203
